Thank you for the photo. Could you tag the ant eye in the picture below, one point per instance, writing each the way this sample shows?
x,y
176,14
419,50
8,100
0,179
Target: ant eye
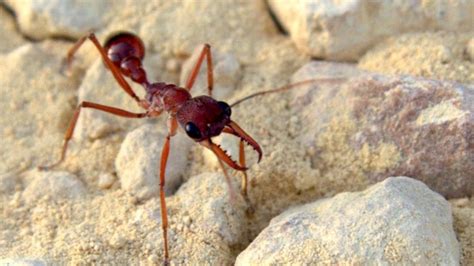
x,y
192,130
225,108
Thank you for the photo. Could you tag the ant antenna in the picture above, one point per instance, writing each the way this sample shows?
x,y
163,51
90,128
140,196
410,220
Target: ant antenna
x,y
289,87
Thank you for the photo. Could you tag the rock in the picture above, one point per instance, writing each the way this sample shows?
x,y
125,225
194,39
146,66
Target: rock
x,y
7,28
439,55
7,183
344,30
106,180
138,161
375,126
54,185
42,19
226,73
397,221
205,200
39,100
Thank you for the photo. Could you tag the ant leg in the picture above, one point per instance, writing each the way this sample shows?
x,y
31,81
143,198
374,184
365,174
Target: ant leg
x,y
206,52
72,125
172,127
244,188
115,71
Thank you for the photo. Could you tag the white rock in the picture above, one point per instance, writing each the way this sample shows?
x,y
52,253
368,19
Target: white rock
x,y
36,98
226,72
42,18
343,30
138,161
55,185
397,221
206,201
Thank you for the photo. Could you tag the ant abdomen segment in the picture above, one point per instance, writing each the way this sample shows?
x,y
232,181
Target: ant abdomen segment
x,y
126,51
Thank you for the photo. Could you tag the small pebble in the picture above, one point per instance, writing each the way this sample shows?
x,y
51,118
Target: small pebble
x,y
106,180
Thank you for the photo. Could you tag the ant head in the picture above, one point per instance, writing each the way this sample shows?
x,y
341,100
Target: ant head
x,y
203,118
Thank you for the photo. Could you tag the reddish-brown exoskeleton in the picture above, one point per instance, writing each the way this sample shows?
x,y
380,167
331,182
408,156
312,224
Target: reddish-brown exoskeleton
x,y
201,117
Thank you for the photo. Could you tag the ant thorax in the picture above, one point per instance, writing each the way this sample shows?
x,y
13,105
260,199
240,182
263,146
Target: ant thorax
x,y
166,97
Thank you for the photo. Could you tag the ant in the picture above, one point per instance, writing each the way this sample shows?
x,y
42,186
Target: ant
x,y
201,117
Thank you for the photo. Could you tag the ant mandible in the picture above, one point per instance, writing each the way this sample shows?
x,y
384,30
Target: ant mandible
x,y
201,117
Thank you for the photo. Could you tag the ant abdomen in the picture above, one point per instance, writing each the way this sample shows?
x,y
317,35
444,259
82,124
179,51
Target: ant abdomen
x,y
126,51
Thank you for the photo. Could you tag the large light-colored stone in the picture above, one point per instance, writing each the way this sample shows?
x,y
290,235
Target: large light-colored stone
x,y
343,30
205,199
138,161
397,221
372,126
36,102
40,19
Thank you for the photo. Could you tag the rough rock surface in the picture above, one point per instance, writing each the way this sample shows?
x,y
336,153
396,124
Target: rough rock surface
x,y
344,30
440,55
226,73
43,18
7,28
206,201
139,158
379,126
55,185
397,221
37,100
